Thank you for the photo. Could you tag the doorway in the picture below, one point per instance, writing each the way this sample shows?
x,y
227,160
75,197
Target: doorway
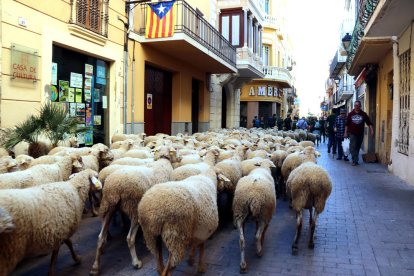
x,y
158,98
194,105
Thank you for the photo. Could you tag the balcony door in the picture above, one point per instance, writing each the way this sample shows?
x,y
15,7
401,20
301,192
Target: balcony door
x,y
158,91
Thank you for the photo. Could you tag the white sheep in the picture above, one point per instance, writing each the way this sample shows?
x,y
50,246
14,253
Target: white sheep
x,y
254,195
7,164
278,157
180,214
43,218
39,174
124,189
309,186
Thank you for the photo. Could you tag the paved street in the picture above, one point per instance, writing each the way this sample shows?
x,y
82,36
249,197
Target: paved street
x,y
367,228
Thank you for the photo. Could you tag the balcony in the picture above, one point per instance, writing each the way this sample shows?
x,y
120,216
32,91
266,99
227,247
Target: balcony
x,y
249,64
193,37
345,90
279,75
337,63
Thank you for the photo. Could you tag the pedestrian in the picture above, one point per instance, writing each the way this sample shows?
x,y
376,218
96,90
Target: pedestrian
x,y
262,122
256,122
288,122
330,122
355,129
280,123
339,130
322,128
271,121
302,124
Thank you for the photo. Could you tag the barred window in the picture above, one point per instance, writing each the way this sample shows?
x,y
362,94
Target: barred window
x,y
92,15
404,116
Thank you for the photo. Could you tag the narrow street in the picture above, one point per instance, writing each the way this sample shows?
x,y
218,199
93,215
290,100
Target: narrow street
x,y
367,228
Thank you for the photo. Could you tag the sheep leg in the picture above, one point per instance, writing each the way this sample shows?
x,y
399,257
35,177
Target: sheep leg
x,y
101,241
168,269
131,244
260,226
201,264
53,261
311,244
310,217
298,232
191,255
93,199
160,259
243,264
75,256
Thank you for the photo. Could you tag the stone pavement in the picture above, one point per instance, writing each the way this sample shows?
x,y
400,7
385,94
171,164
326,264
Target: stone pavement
x,y
367,228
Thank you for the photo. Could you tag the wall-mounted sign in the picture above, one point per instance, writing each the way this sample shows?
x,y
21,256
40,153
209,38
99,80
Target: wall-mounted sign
x,y
149,101
24,62
261,92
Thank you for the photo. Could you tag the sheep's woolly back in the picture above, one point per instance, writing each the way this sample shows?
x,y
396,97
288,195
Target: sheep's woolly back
x,y
249,164
179,212
255,195
39,174
132,161
278,157
295,159
307,144
6,222
232,169
43,216
309,185
188,170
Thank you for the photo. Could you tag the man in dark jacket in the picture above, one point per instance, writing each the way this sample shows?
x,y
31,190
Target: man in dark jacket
x,y
330,123
288,122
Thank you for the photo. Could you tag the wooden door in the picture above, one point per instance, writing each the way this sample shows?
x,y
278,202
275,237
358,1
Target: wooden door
x,y
157,110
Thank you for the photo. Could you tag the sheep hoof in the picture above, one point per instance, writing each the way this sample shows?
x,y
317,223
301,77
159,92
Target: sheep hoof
x,y
243,268
94,271
295,251
138,265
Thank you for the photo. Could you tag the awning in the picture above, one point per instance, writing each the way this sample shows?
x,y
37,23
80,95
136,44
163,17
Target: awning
x,y
339,104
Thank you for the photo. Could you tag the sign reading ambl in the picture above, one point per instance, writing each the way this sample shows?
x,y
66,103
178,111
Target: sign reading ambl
x,y
24,63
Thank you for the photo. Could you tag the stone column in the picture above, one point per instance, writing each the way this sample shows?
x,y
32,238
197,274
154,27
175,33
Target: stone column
x,y
396,102
245,26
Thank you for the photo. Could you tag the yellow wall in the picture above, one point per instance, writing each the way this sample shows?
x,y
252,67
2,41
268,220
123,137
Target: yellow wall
x,y
384,109
47,24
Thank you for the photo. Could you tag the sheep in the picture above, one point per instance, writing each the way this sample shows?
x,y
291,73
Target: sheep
x,y
24,161
181,214
38,174
7,164
138,153
305,144
278,157
4,152
43,218
132,161
309,186
124,189
123,137
254,195
249,164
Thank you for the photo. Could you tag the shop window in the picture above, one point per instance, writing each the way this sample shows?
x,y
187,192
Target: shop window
x,y
91,15
231,23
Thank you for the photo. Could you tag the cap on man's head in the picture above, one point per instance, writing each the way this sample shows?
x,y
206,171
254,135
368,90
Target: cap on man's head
x,y
343,110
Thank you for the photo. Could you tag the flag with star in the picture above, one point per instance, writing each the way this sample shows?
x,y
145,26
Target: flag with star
x,y
160,19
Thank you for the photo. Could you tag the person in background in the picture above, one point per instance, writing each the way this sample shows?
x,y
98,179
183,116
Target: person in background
x,y
280,123
302,124
317,131
354,127
256,122
339,129
262,122
295,122
330,123
322,128
288,122
271,121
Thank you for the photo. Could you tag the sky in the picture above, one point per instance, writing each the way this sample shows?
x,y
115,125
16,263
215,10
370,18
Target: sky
x,y
314,27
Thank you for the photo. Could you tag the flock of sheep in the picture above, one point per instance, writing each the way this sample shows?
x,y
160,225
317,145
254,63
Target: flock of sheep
x,y
167,185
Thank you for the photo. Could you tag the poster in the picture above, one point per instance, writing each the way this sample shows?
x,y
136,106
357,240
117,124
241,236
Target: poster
x,y
104,102
88,71
78,95
96,95
63,91
72,109
97,120
88,117
100,71
149,101
101,81
88,137
54,73
80,111
76,80
88,90
80,136
54,93
71,96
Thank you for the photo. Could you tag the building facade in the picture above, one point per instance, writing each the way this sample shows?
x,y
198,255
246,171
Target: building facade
x,y
66,52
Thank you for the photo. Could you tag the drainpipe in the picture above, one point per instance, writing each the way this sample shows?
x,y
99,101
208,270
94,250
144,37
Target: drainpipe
x,y
133,90
126,29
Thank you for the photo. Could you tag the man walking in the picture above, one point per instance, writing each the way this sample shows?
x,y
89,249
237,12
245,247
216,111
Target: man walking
x,y
330,123
355,128
339,133
288,122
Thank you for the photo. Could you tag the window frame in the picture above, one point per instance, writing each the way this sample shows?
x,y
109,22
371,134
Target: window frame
x,y
230,13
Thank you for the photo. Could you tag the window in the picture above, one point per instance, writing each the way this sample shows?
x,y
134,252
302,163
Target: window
x,y
231,23
266,55
404,120
91,15
267,6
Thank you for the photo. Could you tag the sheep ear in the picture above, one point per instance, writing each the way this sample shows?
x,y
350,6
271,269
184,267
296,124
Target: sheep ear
x,y
257,164
72,175
95,181
317,153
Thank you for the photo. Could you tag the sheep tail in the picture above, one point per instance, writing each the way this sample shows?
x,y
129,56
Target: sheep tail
x,y
6,222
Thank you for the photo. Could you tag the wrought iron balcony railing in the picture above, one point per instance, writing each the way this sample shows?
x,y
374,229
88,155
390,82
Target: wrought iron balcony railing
x,y
336,65
345,90
91,15
191,23
278,74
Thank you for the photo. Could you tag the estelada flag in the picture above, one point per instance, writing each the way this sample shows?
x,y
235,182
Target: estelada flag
x,y
160,19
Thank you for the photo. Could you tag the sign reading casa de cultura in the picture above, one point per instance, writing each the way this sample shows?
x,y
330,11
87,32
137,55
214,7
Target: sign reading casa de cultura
x,y
24,63
261,93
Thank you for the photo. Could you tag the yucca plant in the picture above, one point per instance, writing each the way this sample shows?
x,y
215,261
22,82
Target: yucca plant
x,y
52,122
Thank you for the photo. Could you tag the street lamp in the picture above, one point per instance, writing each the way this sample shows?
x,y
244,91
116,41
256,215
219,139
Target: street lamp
x,y
346,40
